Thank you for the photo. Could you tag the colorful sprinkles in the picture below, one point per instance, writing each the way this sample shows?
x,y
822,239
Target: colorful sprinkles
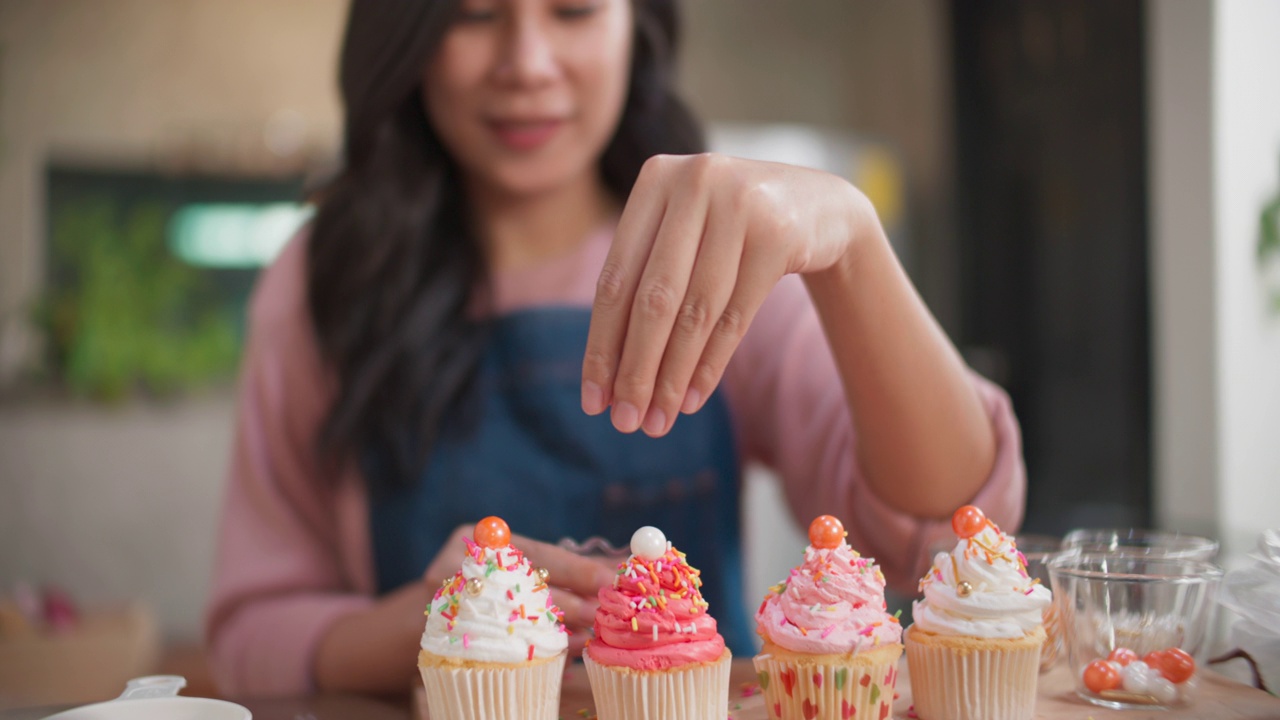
x,y
448,599
653,585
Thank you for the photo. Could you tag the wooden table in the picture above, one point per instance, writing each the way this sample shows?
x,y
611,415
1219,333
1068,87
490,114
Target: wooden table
x,y
1219,697
317,707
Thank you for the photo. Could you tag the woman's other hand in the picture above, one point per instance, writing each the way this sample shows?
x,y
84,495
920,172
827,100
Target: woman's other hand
x,y
701,243
574,579
375,650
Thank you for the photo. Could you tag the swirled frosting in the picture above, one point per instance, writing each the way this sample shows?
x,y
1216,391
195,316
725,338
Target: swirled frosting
x,y
511,619
1001,600
832,604
654,617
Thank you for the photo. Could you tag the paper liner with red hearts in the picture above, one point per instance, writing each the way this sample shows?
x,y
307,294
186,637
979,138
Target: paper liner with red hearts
x,y
809,691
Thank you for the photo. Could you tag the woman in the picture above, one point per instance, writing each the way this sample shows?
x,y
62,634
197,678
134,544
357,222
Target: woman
x,y
521,264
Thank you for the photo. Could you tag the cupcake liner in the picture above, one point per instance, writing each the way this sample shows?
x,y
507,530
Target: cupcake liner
x,y
695,692
805,690
966,682
1053,638
528,691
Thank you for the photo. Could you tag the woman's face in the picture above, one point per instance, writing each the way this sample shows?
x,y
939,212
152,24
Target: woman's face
x,y
526,94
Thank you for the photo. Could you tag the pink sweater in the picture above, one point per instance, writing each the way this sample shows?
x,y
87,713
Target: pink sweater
x,y
294,551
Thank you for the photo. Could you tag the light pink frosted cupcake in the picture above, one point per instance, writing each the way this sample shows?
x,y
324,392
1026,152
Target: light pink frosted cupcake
x,y
830,648
656,653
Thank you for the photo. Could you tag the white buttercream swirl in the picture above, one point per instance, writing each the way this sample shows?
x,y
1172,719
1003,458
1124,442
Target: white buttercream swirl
x,y
1004,602
511,620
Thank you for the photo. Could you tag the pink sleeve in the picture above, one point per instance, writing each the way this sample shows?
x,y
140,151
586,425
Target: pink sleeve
x,y
787,399
280,578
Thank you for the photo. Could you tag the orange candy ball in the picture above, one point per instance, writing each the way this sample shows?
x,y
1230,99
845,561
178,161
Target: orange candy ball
x,y
492,532
1122,655
1100,676
1154,659
968,521
826,532
1176,665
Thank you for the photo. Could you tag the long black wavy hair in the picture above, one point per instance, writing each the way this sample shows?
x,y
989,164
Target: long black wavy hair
x,y
393,265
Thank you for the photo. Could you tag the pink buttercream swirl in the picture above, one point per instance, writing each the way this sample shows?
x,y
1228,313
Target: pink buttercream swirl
x,y
654,617
832,604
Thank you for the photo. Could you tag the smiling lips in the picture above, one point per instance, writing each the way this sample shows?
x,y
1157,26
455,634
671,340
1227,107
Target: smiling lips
x,y
525,135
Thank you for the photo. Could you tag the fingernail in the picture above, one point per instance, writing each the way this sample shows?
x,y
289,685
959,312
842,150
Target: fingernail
x,y
691,399
656,422
626,417
592,398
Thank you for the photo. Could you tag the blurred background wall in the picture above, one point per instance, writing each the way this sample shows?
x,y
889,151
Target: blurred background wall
x,y
117,500
1074,187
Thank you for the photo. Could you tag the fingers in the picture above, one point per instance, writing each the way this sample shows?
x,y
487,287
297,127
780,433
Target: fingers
x,y
664,283
616,288
752,287
579,612
715,273
580,575
578,643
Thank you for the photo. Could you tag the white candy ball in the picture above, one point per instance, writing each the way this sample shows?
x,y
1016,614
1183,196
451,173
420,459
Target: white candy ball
x,y
649,543
1117,666
1162,690
1136,677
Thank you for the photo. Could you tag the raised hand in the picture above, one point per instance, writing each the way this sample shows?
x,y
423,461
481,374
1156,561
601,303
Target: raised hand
x,y
701,242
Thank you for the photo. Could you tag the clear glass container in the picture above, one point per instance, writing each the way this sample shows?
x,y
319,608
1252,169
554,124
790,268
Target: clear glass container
x,y
1135,627
1134,541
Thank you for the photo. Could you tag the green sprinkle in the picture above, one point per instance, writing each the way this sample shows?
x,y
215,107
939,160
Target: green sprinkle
x,y
898,614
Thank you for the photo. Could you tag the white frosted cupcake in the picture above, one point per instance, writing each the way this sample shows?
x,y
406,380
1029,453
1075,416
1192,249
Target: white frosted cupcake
x,y
974,648
494,647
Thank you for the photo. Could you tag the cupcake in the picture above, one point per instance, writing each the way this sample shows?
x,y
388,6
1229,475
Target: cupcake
x,y
656,652
830,648
974,648
494,647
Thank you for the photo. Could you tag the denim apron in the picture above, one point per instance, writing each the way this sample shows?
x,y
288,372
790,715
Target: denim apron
x,y
536,460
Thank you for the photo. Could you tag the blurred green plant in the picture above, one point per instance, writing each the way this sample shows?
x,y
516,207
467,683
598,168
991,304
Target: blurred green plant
x,y
1269,249
123,315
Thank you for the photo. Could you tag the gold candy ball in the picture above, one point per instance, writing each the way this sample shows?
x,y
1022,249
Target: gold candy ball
x,y
964,589
542,574
475,586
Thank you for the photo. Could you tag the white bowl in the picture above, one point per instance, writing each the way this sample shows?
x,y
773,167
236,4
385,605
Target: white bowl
x,y
155,698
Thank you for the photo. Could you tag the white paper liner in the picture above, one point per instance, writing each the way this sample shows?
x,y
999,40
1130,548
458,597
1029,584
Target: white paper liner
x,y
795,691
698,692
1053,638
957,684
520,692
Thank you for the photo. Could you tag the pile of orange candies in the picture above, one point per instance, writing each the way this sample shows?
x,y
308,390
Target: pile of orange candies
x,y
1156,678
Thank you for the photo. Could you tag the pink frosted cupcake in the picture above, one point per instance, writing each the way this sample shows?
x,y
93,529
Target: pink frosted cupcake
x,y
656,652
830,649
